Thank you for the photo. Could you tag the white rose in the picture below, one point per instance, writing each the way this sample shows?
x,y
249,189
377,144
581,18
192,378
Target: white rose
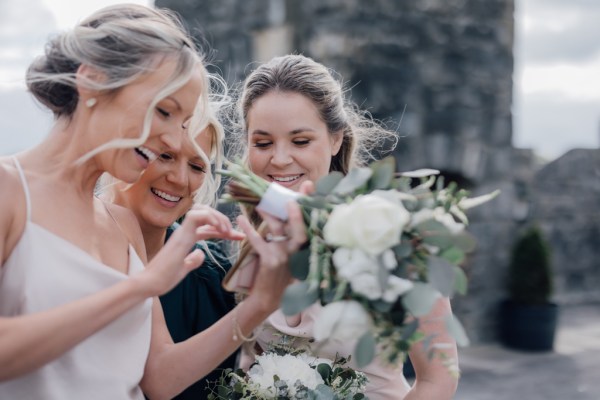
x,y
351,262
367,285
370,222
288,368
342,320
388,259
396,287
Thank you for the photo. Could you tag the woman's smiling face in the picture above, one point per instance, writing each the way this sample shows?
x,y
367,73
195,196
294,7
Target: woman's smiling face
x,y
288,143
166,189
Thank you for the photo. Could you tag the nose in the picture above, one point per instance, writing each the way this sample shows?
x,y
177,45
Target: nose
x,y
281,156
178,173
173,139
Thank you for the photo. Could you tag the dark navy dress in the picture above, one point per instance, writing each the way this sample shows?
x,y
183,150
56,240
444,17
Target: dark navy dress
x,y
196,303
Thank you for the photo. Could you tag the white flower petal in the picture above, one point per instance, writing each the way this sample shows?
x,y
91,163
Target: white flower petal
x,y
420,173
466,203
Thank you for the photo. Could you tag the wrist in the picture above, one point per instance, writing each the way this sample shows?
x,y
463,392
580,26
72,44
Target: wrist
x,y
259,306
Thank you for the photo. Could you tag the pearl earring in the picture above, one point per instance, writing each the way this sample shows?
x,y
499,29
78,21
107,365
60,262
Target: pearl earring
x,y
91,102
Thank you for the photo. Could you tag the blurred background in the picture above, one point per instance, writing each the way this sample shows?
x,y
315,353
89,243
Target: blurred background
x,y
495,93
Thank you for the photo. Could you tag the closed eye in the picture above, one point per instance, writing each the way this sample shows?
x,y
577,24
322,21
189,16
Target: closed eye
x,y
166,157
301,142
163,112
262,144
198,168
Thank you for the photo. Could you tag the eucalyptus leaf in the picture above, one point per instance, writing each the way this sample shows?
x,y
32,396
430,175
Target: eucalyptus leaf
x,y
313,202
420,299
460,281
323,392
403,250
465,241
326,184
383,173
324,370
432,227
382,276
402,184
297,297
382,306
453,255
355,178
440,240
456,330
299,263
410,329
441,275
364,351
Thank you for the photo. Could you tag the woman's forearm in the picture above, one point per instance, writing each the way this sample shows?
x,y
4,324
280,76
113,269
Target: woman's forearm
x,y
30,341
174,367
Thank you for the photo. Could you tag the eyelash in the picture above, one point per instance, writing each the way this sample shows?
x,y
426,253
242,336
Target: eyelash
x,y
262,145
162,112
194,167
198,168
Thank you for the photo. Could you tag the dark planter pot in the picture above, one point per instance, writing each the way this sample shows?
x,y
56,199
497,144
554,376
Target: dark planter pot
x,y
528,327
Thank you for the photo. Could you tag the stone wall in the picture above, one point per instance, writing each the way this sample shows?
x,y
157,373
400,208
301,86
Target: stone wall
x,y
566,204
440,71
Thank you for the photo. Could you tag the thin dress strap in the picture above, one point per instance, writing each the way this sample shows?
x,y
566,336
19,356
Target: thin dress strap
x,y
115,221
25,187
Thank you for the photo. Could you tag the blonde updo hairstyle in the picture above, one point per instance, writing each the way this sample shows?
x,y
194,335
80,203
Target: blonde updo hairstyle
x,y
122,42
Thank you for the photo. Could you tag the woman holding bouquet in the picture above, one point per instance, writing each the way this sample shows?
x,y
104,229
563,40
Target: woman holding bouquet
x,y
298,127
79,314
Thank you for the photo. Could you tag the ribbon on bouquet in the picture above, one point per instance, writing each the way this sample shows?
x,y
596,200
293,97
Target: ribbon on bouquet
x,y
275,199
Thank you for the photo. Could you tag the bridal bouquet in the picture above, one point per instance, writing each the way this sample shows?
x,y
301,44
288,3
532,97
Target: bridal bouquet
x,y
383,246
289,373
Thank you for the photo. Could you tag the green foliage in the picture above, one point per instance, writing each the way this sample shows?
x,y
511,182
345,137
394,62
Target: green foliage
x,y
530,273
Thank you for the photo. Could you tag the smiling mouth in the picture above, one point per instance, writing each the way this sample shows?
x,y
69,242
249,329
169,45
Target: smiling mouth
x,y
165,196
285,179
146,153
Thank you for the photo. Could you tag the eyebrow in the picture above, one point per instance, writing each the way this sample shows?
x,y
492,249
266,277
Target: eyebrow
x,y
260,132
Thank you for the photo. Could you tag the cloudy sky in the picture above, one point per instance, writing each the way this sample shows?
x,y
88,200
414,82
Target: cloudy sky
x,y
557,70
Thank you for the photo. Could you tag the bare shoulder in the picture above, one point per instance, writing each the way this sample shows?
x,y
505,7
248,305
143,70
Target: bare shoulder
x,y
128,222
13,207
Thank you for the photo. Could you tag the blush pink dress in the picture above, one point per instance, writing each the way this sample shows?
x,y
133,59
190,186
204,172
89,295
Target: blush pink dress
x,y
385,382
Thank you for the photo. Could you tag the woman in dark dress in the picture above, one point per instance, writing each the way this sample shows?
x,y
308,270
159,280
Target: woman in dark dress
x,y
163,194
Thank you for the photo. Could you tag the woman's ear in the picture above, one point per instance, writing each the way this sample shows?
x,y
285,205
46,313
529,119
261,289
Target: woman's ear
x,y
337,139
86,79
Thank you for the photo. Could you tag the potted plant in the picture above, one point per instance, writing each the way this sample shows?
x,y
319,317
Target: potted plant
x,y
529,317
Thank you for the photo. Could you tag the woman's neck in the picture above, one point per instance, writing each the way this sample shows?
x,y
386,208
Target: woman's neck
x,y
56,160
154,239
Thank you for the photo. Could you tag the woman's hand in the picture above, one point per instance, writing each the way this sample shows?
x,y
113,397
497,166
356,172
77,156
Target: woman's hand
x,y
435,378
174,261
273,254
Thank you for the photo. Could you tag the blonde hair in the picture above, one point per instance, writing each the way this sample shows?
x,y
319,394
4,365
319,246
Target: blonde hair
x,y
209,190
122,42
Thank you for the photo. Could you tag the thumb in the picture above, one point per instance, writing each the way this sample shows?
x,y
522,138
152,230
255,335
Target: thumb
x,y
193,260
307,187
